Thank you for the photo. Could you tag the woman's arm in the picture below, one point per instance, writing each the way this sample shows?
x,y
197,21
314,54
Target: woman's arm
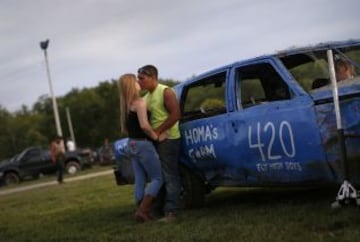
x,y
141,110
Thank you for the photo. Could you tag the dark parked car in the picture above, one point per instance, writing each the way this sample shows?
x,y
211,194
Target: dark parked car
x,y
34,161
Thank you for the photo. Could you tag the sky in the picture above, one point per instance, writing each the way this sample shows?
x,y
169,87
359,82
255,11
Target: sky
x,y
93,41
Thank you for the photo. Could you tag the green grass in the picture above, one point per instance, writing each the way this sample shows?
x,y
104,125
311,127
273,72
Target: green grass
x,y
96,209
52,177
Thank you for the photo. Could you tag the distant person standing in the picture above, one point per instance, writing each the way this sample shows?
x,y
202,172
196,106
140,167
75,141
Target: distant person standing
x,y
165,113
70,145
57,154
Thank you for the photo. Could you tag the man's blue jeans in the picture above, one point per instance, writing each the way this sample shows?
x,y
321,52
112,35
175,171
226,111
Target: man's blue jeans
x,y
169,151
147,166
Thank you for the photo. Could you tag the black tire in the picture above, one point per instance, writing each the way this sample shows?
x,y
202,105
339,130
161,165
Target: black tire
x,y
193,189
72,167
11,178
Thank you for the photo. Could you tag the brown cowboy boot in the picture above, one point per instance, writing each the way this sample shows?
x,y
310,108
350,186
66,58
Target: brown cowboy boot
x,y
142,214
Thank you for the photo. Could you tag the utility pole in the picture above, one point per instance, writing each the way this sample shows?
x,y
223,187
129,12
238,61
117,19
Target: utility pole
x,y
70,125
44,45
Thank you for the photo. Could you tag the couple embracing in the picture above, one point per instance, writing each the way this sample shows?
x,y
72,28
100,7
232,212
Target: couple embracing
x,y
151,123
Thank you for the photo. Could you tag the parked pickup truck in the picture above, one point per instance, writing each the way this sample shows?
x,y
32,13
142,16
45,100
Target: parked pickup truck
x,y
264,122
34,161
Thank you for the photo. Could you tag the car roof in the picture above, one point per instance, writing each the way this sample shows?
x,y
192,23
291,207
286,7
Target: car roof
x,y
320,46
286,52
279,54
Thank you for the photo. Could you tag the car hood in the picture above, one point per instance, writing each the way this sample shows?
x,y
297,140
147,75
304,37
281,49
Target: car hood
x,y
5,163
4,160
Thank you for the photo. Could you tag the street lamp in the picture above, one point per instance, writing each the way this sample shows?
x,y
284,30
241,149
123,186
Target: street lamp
x,y
44,45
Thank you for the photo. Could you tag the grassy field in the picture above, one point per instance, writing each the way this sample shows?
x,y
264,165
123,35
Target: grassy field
x,y
52,177
96,209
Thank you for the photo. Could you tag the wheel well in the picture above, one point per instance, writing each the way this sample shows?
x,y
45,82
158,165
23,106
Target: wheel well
x,y
199,175
192,170
72,159
14,172
193,188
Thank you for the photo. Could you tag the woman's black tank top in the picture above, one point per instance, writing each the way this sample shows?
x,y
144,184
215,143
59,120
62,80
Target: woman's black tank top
x,y
133,126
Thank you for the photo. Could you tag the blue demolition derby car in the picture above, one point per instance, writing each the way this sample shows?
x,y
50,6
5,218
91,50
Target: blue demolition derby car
x,y
273,120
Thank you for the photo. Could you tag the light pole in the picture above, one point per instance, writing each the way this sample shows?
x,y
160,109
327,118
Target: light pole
x,y
70,125
44,45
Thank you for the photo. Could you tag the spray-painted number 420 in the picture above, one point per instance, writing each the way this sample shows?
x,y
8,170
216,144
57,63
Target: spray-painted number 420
x,y
266,150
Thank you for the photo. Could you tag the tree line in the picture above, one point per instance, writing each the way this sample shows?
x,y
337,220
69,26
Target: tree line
x,y
94,116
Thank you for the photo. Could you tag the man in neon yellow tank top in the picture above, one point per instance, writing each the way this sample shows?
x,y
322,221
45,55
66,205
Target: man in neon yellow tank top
x,y
165,113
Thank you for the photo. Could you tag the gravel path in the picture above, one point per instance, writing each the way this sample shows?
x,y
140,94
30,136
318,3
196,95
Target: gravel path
x,y
51,183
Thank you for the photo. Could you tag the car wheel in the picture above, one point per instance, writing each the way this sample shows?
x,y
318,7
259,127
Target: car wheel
x,y
193,189
72,167
11,178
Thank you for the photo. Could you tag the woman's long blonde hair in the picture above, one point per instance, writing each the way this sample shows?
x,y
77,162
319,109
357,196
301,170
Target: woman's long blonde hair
x,y
127,94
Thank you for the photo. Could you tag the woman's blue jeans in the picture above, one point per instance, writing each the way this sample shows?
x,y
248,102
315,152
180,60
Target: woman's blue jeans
x,y
147,167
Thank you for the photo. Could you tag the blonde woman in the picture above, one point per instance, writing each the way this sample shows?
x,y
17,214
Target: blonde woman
x,y
145,160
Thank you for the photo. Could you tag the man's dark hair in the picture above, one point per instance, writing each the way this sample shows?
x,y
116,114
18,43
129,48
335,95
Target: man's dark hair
x,y
148,70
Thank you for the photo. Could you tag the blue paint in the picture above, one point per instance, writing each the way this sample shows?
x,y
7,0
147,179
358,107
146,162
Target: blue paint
x,y
288,141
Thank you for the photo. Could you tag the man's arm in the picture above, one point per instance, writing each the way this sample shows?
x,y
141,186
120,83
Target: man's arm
x,y
172,106
52,152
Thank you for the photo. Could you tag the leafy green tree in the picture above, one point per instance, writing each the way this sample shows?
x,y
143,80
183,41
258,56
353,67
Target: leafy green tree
x,y
5,146
25,130
94,116
19,130
43,108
